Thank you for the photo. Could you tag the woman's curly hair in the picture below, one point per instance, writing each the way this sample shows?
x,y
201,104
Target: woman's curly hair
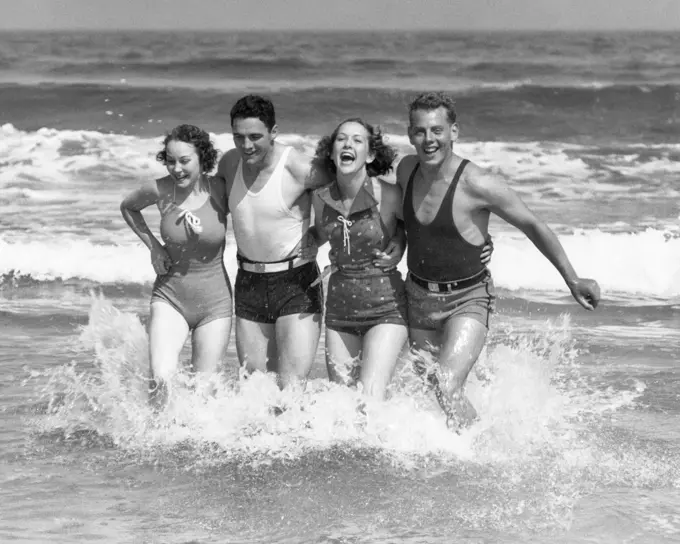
x,y
384,154
199,138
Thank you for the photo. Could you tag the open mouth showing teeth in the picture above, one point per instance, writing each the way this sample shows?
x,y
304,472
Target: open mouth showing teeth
x,y
345,156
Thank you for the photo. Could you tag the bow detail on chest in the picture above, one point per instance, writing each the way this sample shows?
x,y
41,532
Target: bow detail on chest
x,y
346,224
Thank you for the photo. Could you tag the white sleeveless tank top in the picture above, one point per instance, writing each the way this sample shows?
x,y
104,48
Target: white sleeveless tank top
x,y
265,229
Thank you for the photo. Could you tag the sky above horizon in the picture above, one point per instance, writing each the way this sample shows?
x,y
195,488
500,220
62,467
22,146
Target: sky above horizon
x,y
343,14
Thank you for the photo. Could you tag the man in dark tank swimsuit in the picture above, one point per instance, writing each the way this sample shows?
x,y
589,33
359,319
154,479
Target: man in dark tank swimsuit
x,y
447,204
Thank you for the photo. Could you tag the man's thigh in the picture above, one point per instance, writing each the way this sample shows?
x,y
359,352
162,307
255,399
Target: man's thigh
x,y
463,339
297,339
255,344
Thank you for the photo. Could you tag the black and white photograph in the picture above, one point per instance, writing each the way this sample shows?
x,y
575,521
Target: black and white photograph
x,y
340,272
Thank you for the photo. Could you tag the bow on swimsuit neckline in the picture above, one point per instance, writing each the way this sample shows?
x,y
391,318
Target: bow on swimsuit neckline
x,y
192,221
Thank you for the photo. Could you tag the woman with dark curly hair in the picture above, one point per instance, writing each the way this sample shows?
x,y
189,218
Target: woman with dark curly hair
x,y
357,214
192,291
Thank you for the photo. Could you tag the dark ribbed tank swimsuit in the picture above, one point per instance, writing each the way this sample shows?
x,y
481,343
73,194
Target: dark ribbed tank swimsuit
x,y
437,252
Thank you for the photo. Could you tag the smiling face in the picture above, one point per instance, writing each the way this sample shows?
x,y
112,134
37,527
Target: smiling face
x,y
432,134
253,139
351,149
183,163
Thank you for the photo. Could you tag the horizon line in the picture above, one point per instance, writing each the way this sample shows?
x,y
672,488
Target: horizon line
x,y
345,30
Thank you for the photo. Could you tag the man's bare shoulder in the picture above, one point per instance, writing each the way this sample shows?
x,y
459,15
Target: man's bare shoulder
x,y
405,168
297,162
218,184
304,171
296,155
230,157
481,183
389,191
226,168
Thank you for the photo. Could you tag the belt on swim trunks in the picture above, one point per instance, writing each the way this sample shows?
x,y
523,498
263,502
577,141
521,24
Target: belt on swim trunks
x,y
278,266
448,286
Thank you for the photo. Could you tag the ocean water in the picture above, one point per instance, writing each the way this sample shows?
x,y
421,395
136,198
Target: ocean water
x,y
578,439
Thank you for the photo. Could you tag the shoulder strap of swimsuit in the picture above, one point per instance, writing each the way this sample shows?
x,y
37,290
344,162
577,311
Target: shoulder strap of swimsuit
x,y
459,172
407,197
412,176
282,161
451,191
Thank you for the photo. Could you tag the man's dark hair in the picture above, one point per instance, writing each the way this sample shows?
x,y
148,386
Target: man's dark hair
x,y
255,106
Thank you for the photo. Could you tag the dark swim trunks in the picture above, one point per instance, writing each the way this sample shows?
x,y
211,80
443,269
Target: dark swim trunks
x,y
428,310
264,297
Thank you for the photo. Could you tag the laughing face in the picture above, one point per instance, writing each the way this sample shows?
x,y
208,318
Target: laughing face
x,y
183,163
253,139
351,148
432,134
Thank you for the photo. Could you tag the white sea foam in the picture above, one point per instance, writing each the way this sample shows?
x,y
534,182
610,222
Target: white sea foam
x,y
643,264
56,155
60,191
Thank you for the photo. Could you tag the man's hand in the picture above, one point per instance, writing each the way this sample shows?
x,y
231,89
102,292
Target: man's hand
x,y
586,292
330,269
308,247
389,258
392,254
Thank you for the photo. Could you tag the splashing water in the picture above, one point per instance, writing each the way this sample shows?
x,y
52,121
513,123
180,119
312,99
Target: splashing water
x,y
543,437
528,392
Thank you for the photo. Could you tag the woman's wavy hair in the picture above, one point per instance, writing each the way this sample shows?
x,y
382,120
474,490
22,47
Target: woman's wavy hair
x,y
383,153
199,138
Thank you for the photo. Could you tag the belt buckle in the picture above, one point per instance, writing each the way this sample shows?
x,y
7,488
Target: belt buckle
x,y
433,287
259,267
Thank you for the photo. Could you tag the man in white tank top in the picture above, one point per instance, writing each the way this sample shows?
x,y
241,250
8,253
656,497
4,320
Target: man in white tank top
x,y
278,312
